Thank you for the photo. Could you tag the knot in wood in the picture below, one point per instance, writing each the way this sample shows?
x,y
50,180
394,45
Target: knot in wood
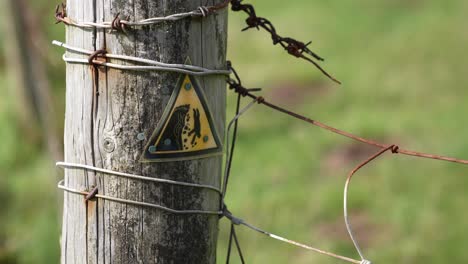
x,y
108,145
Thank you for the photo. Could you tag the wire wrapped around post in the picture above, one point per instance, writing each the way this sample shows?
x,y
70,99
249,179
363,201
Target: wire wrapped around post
x,y
121,25
151,65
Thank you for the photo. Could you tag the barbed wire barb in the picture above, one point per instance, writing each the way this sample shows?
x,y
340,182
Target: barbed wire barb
x,y
118,24
294,47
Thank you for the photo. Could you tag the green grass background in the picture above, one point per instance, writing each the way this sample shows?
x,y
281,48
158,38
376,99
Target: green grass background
x,y
404,68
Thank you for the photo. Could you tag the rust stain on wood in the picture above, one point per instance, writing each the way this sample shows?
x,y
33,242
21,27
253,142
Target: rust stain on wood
x,y
91,207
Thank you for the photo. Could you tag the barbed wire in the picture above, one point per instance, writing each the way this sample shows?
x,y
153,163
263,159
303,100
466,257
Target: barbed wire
x,y
294,47
122,25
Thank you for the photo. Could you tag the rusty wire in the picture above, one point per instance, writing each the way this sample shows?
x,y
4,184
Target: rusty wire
x,y
60,13
88,195
121,25
394,150
294,47
236,86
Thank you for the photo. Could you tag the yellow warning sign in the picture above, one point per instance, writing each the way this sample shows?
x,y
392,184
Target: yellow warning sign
x,y
186,130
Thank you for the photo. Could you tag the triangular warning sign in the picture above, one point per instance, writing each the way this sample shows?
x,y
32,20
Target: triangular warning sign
x,y
186,130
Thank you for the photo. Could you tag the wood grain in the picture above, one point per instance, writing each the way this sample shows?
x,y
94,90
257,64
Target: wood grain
x,y
107,109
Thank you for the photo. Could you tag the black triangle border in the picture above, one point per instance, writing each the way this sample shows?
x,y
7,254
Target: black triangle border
x,y
147,156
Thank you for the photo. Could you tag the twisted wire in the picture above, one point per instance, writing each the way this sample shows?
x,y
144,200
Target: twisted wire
x,y
151,64
396,149
292,46
237,221
119,24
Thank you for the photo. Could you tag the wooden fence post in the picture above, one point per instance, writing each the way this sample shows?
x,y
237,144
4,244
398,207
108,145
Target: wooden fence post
x,y
107,113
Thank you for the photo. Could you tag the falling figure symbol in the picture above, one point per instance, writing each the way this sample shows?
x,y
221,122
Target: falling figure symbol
x,y
196,131
172,136
186,130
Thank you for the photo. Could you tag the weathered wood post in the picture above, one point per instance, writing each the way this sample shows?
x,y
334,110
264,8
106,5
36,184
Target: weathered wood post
x,y
110,116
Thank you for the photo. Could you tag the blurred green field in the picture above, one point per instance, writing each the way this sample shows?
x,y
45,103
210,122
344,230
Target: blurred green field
x,y
403,65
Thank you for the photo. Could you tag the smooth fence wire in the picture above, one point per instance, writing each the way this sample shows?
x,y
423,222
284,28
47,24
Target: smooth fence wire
x,y
90,195
68,165
151,65
237,221
345,198
228,155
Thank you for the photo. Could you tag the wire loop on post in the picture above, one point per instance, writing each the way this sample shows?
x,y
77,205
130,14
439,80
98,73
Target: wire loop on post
x,y
117,24
137,203
93,56
151,65
67,165
204,11
120,25
92,194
